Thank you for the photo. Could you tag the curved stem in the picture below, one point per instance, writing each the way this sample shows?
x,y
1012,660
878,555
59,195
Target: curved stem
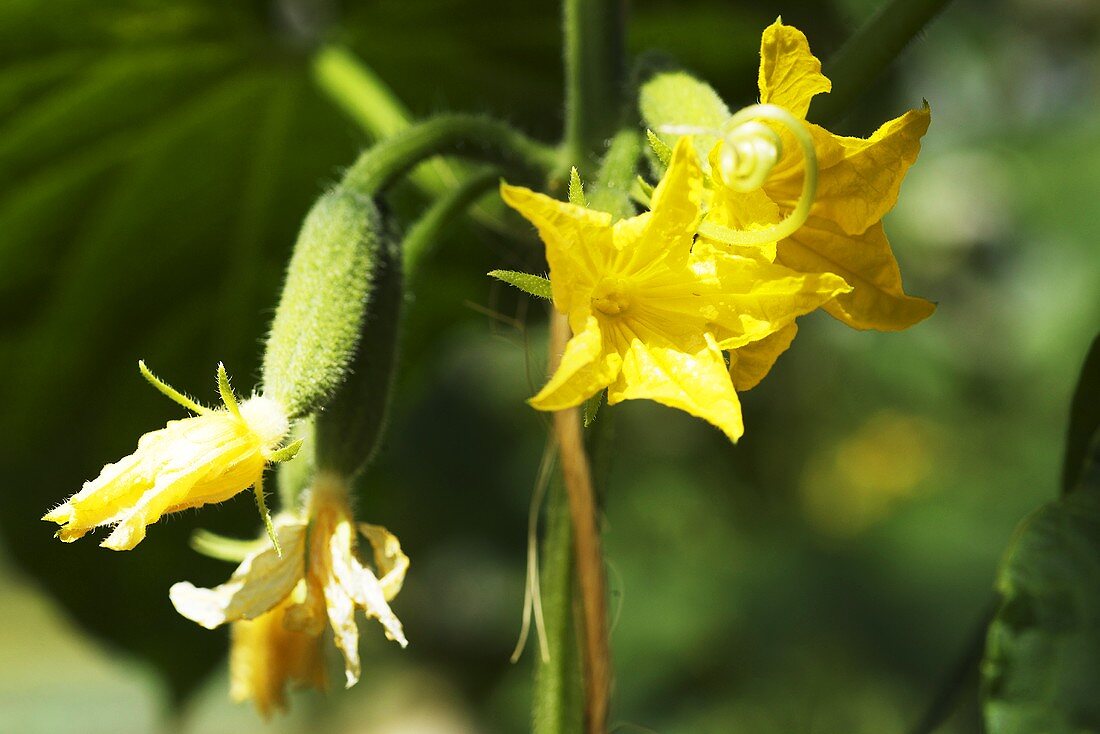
x,y
372,104
587,550
423,236
470,136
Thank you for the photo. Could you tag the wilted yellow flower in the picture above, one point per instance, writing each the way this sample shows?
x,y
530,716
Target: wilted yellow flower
x,y
190,462
650,313
319,577
265,655
857,183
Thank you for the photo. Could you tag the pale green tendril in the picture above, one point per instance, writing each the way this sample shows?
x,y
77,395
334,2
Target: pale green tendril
x,y
750,151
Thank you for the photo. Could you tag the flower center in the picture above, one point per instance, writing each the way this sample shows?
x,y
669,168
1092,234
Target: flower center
x,y
610,296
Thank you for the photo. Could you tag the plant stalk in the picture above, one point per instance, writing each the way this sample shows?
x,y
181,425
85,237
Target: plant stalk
x,y
587,550
869,51
594,72
469,136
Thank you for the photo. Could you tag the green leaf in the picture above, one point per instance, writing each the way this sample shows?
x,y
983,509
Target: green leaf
x,y
1084,418
1041,669
534,285
156,162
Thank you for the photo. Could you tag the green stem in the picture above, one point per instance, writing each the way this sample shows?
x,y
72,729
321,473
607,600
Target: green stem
x,y
871,50
422,238
470,136
594,66
359,92
558,695
594,70
611,190
367,100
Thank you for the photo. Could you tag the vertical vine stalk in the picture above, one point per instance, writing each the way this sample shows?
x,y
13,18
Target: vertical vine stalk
x,y
594,33
587,548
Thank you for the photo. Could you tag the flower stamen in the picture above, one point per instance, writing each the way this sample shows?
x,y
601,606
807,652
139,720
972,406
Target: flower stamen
x,y
609,297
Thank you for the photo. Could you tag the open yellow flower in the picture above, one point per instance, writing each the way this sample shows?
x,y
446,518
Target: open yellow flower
x,y
650,313
857,183
191,462
287,600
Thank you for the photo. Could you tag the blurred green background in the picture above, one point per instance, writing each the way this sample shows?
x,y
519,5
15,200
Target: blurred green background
x,y
155,161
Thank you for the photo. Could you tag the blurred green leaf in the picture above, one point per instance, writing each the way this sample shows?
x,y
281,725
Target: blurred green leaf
x,y
1041,670
156,161
1084,418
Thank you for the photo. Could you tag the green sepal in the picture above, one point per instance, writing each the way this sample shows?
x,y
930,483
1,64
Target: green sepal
x,y
225,389
659,147
265,515
534,285
591,407
576,188
292,478
286,453
642,191
170,392
319,319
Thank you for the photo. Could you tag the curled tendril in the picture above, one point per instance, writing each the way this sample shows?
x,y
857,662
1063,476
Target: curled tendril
x,y
750,151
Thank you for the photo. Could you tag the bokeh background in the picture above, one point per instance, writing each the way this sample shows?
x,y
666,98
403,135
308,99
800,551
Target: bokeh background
x,y
822,576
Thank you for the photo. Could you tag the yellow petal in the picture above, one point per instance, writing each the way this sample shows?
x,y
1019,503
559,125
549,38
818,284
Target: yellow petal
x,y
258,585
391,562
694,381
675,206
751,363
339,603
265,656
790,75
578,240
756,298
877,300
188,463
587,367
858,179
361,585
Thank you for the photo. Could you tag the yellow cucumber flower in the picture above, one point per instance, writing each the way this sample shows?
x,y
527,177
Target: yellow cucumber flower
x,y
319,577
650,313
857,183
207,458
